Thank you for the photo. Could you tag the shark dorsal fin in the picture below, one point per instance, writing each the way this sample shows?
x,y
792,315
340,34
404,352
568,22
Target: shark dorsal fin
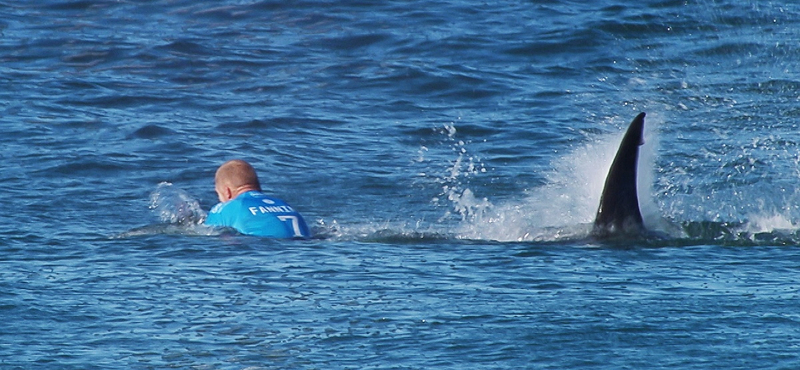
x,y
618,213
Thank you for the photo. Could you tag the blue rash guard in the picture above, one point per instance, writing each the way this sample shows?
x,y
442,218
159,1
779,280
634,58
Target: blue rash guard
x,y
254,213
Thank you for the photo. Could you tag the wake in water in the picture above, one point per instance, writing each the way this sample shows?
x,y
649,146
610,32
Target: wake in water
x,y
561,210
564,208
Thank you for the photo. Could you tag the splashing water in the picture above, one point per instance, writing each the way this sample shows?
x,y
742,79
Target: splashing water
x,y
559,209
179,214
463,200
565,206
453,195
175,206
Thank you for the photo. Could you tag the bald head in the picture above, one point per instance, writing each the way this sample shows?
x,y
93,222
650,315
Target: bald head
x,y
233,178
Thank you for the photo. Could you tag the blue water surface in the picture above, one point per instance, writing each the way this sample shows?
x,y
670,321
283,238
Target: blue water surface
x,y
449,157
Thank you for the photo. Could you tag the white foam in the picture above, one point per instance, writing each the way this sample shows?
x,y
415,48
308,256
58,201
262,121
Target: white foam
x,y
769,223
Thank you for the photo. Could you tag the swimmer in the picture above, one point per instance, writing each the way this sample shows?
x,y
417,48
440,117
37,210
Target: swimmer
x,y
244,207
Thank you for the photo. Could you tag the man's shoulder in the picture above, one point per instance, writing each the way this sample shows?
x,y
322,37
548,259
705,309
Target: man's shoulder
x,y
233,205
260,198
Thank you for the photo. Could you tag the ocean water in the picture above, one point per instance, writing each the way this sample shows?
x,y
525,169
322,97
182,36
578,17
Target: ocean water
x,y
449,157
